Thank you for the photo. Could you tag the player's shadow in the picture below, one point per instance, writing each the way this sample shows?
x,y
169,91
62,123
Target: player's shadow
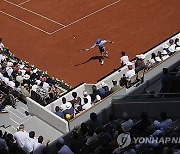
x,y
90,59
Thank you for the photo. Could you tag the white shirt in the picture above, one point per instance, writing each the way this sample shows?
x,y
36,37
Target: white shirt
x,y
63,106
38,148
46,85
20,137
124,60
165,57
86,106
130,73
65,150
19,78
126,126
29,145
92,139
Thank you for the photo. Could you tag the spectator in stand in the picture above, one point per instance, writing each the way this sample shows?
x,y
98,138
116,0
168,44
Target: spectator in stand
x,y
124,59
76,102
69,111
83,129
25,90
1,45
76,142
13,147
94,122
20,136
115,86
39,147
65,103
127,123
140,127
166,48
166,81
139,63
3,144
91,138
63,149
130,72
164,55
51,98
86,95
29,143
154,60
26,79
102,91
87,104
164,123
59,112
95,96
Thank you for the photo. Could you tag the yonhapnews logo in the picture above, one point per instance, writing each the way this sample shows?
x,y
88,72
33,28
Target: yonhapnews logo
x,y
124,139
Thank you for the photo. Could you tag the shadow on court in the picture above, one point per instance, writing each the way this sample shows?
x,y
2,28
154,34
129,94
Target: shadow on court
x,y
90,59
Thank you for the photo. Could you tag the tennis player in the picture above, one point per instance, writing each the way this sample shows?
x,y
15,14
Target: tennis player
x,y
101,45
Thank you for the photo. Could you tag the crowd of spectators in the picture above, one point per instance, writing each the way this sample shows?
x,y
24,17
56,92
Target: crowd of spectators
x,y
25,80
22,142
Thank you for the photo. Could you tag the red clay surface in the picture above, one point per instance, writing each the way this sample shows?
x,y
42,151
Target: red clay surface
x,y
134,26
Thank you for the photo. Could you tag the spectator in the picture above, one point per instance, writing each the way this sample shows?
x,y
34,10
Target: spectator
x,y
124,59
166,48
39,147
29,143
141,126
69,110
127,123
3,144
63,149
92,137
76,101
115,86
177,43
13,147
131,72
139,63
164,123
85,94
76,142
95,96
154,60
87,104
20,136
165,81
94,122
102,90
83,129
59,112
50,99
164,55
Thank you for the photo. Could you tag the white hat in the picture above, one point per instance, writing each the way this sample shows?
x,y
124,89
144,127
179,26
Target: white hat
x,y
165,46
103,84
172,48
141,56
26,77
164,52
68,105
129,63
85,93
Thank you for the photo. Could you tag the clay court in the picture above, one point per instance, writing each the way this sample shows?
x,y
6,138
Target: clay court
x,y
42,32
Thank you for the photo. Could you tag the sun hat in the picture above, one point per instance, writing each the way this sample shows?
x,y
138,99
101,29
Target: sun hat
x,y
26,77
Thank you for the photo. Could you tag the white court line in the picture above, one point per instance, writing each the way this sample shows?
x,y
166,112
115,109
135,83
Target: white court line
x,y
27,119
25,22
24,2
34,13
86,16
